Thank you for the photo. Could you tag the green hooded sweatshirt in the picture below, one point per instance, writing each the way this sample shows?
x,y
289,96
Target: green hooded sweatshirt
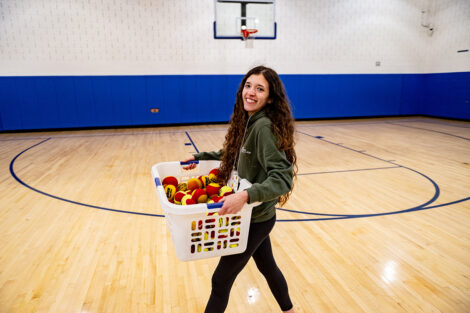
x,y
263,165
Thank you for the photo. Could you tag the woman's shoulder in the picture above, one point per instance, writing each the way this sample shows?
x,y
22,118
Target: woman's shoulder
x,y
263,128
263,121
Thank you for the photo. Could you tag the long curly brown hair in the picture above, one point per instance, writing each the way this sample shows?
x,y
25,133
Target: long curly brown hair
x,y
277,110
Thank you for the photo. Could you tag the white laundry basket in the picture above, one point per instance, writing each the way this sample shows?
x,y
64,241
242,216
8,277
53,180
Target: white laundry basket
x,y
197,230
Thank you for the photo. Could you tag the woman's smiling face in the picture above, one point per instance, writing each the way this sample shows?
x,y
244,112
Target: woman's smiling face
x,y
255,93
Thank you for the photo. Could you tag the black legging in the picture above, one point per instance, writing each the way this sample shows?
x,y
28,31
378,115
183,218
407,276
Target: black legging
x,y
258,246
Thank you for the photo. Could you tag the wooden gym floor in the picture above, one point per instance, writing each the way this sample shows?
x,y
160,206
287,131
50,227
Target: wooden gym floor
x,y
378,221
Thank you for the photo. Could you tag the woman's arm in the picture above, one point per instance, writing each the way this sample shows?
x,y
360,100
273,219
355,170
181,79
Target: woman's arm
x,y
213,155
274,163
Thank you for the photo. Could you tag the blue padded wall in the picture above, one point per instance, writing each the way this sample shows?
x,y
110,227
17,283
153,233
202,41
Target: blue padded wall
x,y
447,95
348,95
98,101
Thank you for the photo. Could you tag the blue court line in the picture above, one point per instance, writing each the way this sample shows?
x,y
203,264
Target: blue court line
x,y
431,130
192,142
342,217
332,216
416,208
12,172
343,146
434,198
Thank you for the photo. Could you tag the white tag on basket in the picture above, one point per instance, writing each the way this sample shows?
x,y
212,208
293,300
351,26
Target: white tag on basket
x,y
244,184
234,180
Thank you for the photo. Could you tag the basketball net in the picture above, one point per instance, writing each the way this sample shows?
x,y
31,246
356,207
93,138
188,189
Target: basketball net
x,y
246,37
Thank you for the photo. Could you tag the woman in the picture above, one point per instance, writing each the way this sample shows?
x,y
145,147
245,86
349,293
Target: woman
x,y
260,145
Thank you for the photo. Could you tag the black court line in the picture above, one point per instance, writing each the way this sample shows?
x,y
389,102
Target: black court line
x,y
110,135
99,135
430,130
434,121
351,149
224,129
168,132
63,199
355,170
24,139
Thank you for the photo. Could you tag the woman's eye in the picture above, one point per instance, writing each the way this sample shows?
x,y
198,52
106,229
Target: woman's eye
x,y
260,89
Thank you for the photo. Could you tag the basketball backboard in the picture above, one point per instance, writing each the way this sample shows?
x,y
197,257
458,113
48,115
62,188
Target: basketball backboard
x,y
231,15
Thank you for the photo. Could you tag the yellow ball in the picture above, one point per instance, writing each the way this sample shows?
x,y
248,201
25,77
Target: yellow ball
x,y
194,183
187,200
213,175
182,186
170,191
225,191
204,180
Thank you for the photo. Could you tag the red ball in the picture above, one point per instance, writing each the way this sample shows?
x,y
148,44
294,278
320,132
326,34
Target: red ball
x,y
212,189
170,180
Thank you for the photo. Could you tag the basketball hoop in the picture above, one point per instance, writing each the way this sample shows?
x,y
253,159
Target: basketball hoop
x,y
247,32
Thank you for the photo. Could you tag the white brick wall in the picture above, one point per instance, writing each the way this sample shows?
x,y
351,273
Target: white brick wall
x,y
134,37
452,33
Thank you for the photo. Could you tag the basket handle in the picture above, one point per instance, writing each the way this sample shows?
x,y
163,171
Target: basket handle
x,y
216,205
189,162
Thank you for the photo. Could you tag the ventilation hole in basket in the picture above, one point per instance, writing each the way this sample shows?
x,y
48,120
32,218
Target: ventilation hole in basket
x,y
221,222
212,234
206,235
193,225
236,217
208,244
196,234
233,245
227,221
211,213
235,232
200,225
234,240
210,226
199,248
235,223
193,248
196,239
223,233
211,220
219,245
208,249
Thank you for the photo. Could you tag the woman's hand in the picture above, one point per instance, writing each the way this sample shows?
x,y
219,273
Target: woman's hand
x,y
189,166
234,202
